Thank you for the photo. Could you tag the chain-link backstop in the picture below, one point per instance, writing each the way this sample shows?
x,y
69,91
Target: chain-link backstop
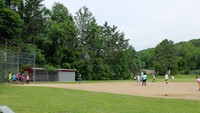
x,y
12,59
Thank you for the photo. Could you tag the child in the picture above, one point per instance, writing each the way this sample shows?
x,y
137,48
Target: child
x,y
166,78
198,81
79,79
27,79
138,78
154,77
22,78
173,78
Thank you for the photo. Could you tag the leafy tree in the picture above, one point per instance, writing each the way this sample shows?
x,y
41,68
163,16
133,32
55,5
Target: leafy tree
x,y
190,54
117,53
165,57
86,29
32,13
181,63
60,43
104,49
146,58
10,21
12,4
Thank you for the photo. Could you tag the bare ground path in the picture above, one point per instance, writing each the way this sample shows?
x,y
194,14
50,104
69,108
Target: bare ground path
x,y
183,90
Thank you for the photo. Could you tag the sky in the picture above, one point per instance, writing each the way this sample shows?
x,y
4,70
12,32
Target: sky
x,y
145,22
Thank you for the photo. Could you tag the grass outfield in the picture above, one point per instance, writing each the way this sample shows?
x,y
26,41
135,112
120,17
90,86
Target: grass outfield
x,y
56,100
178,78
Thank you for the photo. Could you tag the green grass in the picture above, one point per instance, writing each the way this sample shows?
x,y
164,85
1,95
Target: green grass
x,y
178,78
55,100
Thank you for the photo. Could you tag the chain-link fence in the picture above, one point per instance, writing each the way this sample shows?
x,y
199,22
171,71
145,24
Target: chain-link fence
x,y
12,59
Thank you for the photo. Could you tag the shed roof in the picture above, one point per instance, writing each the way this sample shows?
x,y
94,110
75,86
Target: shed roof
x,y
60,70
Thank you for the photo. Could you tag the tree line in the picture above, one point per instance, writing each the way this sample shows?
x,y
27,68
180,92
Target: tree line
x,y
63,40
182,57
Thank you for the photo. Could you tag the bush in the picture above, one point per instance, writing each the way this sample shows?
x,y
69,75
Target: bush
x,y
195,72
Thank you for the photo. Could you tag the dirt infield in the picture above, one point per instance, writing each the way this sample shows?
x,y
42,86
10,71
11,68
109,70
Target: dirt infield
x,y
183,90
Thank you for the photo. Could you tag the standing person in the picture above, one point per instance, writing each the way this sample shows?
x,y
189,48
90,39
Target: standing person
x,y
198,82
27,79
5,78
22,78
154,77
144,79
169,72
138,78
134,78
166,78
17,77
79,79
13,78
172,78
10,77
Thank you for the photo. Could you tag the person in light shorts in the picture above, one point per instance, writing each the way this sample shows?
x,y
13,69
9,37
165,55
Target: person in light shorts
x,y
166,78
138,79
172,78
198,82
154,77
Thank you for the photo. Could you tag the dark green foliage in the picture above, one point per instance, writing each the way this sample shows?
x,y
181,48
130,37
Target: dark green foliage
x,y
10,21
187,60
146,58
190,53
61,41
165,57
104,50
32,14
181,63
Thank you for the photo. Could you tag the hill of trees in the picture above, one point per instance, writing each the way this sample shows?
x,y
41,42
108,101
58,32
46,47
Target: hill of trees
x,y
183,57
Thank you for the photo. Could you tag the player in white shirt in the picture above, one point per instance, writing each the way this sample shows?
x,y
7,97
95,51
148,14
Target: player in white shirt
x,y
166,78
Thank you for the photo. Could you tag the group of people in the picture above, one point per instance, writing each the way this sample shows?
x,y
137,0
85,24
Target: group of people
x,y
166,78
16,78
143,78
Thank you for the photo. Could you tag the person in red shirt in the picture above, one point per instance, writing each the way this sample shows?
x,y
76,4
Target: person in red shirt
x,y
16,76
22,78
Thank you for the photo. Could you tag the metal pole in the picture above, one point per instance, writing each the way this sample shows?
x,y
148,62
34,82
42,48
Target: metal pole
x,y
18,58
34,69
6,58
47,76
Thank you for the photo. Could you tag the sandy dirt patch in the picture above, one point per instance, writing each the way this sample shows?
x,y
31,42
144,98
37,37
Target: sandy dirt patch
x,y
183,90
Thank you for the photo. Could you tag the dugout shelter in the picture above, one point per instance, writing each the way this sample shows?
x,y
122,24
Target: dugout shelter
x,y
43,75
